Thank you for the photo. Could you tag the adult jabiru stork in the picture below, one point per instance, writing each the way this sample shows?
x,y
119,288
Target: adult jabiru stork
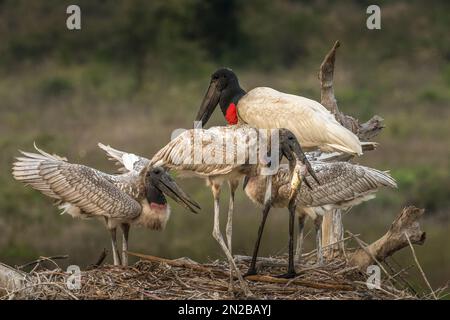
x,y
313,125
132,198
342,185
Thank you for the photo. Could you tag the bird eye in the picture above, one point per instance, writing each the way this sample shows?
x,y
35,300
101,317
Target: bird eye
x,y
215,77
157,171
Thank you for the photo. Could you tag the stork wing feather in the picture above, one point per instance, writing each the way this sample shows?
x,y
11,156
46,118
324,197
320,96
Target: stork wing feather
x,y
81,186
124,160
313,125
205,152
343,184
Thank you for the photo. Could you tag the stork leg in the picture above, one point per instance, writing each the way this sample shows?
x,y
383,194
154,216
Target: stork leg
x,y
291,273
298,249
219,238
233,184
318,225
252,269
125,232
115,251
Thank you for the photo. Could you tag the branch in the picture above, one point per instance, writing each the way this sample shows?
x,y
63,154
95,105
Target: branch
x,y
173,263
364,131
393,241
258,278
304,283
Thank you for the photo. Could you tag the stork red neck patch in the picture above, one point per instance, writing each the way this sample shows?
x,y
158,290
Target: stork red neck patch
x,y
231,114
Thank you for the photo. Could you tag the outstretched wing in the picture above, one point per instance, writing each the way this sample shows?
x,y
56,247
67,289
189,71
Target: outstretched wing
x,y
313,125
216,151
88,189
127,162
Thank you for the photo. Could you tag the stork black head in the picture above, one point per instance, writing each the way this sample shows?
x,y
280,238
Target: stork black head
x,y
159,183
224,89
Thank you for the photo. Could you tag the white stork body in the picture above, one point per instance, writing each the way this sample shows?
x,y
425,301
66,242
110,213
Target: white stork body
x,y
313,125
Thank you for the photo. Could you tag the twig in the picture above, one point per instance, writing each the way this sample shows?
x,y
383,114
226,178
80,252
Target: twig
x,y
171,262
41,259
100,260
419,266
316,285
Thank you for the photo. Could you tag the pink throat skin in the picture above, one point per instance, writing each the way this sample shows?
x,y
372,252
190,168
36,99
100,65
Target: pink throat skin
x,y
158,206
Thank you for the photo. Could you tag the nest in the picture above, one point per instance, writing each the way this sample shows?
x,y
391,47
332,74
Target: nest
x,y
155,278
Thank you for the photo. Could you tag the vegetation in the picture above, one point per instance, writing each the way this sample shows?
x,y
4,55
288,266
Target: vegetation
x,y
138,70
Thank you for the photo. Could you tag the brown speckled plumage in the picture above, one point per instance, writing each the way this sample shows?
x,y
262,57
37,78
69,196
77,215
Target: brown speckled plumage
x,y
95,193
342,184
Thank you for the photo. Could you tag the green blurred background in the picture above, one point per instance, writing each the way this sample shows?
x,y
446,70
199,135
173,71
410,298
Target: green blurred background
x,y
138,70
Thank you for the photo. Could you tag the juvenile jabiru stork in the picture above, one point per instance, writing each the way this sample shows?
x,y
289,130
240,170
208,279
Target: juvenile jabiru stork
x,y
313,125
342,185
133,198
225,154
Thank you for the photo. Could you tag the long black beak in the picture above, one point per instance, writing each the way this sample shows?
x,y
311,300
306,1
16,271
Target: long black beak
x,y
168,186
244,184
209,103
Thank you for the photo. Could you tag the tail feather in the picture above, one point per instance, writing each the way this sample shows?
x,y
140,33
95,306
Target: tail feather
x,y
382,178
343,139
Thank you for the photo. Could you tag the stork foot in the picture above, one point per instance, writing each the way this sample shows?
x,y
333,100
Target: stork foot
x,y
251,272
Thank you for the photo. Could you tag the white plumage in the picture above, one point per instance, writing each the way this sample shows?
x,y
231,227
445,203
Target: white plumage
x,y
313,125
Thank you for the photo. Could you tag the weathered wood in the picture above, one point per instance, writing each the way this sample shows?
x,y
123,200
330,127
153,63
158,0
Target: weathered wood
x,y
174,263
332,229
393,240
258,278
305,283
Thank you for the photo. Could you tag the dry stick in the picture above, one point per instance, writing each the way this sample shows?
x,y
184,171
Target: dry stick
x,y
399,274
315,285
360,243
329,245
418,265
99,261
332,229
41,284
171,262
41,259
379,288
260,278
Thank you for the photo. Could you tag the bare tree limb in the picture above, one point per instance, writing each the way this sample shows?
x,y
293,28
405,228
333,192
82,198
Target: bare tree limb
x,y
332,229
364,131
393,240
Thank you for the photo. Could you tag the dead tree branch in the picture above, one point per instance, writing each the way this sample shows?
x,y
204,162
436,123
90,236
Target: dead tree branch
x,y
364,131
394,239
332,229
